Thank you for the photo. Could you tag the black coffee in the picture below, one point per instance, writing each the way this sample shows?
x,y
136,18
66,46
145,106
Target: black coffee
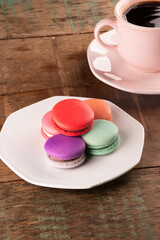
x,y
146,14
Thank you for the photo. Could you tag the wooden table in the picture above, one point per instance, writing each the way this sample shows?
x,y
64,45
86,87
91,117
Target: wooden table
x,y
42,54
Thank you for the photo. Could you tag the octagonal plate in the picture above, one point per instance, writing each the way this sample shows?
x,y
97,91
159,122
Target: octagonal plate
x,y
21,149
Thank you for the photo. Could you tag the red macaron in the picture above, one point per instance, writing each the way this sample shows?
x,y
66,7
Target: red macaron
x,y
72,117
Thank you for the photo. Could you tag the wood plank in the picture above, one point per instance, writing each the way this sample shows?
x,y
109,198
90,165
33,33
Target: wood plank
x,y
32,64
122,209
27,65
30,18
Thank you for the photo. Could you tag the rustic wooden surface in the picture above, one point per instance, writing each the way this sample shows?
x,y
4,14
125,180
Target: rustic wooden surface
x,y
43,54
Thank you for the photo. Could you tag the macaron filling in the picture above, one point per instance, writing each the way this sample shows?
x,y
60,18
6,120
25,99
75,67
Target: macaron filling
x,y
67,163
112,142
72,131
105,149
56,159
48,134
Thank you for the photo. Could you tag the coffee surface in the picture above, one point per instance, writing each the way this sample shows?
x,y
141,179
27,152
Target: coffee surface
x,y
146,14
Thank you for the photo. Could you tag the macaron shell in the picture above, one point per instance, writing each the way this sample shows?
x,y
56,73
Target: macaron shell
x,y
106,150
43,134
102,134
100,108
47,125
68,164
72,134
72,115
64,148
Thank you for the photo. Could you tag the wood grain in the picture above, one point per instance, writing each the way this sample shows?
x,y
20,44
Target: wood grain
x,y
30,18
33,64
27,64
123,209
43,63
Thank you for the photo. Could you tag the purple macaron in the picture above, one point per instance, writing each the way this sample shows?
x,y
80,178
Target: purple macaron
x,y
65,151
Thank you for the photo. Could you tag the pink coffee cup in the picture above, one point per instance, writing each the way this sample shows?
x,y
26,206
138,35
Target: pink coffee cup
x,y
138,46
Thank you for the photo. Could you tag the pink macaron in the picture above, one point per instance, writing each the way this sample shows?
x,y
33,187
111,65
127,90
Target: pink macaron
x,y
47,129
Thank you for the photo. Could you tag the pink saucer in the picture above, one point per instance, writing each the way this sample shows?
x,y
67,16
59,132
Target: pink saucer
x,y
110,68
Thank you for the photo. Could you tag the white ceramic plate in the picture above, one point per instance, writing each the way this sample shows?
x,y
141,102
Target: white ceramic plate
x,y
21,149
110,68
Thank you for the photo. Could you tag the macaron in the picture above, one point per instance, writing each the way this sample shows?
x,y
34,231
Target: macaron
x,y
72,117
100,108
103,138
64,151
47,129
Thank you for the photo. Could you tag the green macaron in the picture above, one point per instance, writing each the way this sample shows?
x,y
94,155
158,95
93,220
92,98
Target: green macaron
x,y
103,138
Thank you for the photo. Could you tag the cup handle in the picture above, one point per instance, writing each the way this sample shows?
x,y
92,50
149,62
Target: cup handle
x,y
99,26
